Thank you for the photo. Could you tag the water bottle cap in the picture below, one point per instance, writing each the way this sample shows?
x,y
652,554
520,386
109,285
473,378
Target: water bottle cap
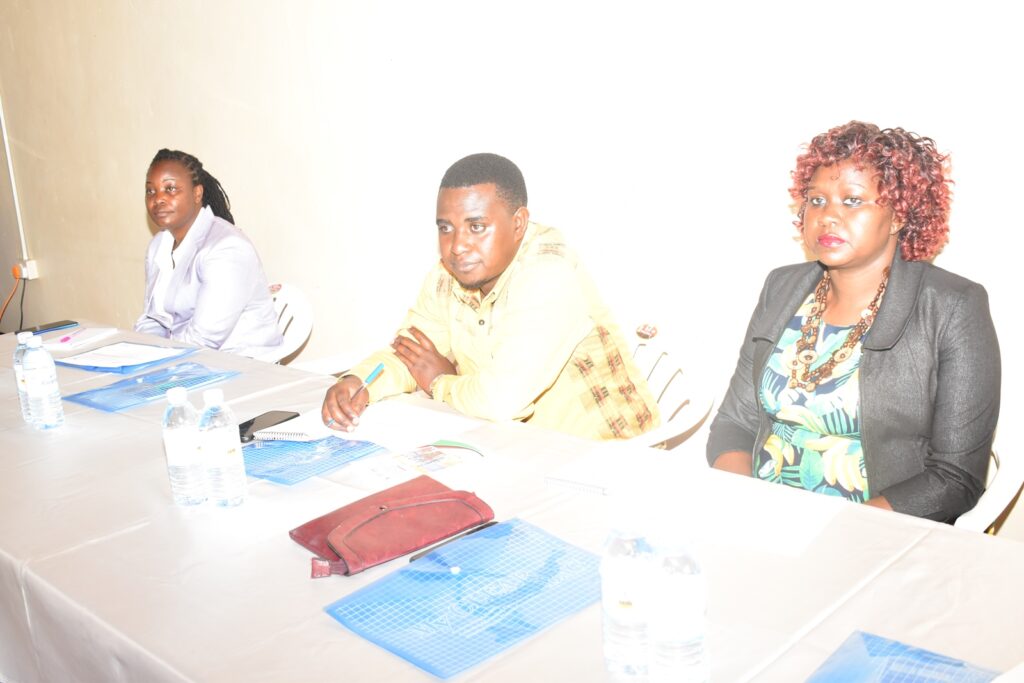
x,y
34,342
628,513
23,337
670,544
177,396
213,397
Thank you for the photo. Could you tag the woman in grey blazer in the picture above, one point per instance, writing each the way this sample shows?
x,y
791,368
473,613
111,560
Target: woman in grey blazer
x,y
867,373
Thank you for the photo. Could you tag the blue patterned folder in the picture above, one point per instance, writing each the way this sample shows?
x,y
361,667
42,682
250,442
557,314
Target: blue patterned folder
x,y
471,599
867,658
152,386
289,462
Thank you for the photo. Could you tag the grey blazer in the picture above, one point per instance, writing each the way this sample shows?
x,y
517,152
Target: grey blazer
x,y
929,385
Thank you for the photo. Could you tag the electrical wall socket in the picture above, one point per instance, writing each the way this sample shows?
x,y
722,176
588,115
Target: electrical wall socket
x,y
29,269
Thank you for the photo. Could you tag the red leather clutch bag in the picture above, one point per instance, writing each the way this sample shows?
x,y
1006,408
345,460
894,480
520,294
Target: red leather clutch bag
x,y
389,524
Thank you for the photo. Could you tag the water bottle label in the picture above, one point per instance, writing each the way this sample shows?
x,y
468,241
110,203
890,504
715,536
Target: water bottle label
x,y
39,383
623,592
182,447
681,605
223,444
222,453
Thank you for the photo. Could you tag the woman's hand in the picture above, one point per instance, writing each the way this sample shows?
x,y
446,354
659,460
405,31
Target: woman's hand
x,y
422,358
879,502
344,403
738,462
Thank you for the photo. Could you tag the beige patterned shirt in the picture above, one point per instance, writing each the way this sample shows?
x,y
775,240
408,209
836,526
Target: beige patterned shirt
x,y
540,347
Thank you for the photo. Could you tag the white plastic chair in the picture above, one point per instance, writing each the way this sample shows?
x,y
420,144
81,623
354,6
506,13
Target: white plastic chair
x,y
294,320
682,401
999,493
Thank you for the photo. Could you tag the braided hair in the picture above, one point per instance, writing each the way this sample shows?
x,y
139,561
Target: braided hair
x,y
214,195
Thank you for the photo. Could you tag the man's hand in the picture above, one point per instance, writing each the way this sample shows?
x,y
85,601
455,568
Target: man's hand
x,y
344,403
422,358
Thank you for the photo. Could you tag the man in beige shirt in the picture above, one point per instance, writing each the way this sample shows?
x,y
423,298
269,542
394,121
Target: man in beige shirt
x,y
507,326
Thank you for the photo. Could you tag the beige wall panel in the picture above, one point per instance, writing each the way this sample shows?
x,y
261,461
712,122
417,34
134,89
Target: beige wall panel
x,y
658,136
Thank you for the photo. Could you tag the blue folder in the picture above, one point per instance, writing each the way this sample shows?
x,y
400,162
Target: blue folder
x,y
470,599
152,386
289,462
867,658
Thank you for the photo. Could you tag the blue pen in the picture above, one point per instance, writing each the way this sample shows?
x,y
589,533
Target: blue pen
x,y
366,382
369,378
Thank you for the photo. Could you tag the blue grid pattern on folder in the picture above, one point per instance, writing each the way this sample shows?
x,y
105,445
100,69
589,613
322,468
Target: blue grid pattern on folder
x,y
152,386
867,658
289,462
471,599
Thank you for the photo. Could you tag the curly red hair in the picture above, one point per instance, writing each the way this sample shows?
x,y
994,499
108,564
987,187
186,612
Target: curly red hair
x,y
912,180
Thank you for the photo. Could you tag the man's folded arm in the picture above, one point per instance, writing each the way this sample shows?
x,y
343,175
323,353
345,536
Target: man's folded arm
x,y
546,319
429,315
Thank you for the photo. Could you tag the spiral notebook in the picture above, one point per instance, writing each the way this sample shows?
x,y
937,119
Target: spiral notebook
x,y
308,426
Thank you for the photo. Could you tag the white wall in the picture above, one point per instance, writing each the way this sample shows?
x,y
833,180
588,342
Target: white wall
x,y
10,238
658,136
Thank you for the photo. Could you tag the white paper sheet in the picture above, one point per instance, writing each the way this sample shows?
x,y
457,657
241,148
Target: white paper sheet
x,y
77,339
122,354
306,427
418,427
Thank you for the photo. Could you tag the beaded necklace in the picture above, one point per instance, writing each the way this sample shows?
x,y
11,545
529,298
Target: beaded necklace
x,y
805,353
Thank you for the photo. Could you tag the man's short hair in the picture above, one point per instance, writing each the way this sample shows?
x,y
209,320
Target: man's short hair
x,y
478,169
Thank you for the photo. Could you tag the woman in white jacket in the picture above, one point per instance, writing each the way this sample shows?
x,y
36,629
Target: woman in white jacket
x,y
204,280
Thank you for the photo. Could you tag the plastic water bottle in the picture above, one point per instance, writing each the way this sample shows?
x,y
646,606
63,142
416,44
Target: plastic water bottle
x,y
625,571
221,451
19,375
44,403
185,466
677,618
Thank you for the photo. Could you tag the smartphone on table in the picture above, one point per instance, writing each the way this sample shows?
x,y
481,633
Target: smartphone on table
x,y
248,429
50,327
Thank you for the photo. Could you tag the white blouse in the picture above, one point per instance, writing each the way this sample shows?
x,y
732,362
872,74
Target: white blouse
x,y
211,291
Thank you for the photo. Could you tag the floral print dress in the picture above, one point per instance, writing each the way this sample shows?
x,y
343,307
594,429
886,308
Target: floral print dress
x,y
815,439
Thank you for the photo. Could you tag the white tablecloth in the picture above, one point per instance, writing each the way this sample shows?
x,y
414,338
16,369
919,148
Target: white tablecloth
x,y
103,578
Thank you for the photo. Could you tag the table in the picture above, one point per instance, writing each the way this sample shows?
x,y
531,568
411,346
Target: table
x,y
102,577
